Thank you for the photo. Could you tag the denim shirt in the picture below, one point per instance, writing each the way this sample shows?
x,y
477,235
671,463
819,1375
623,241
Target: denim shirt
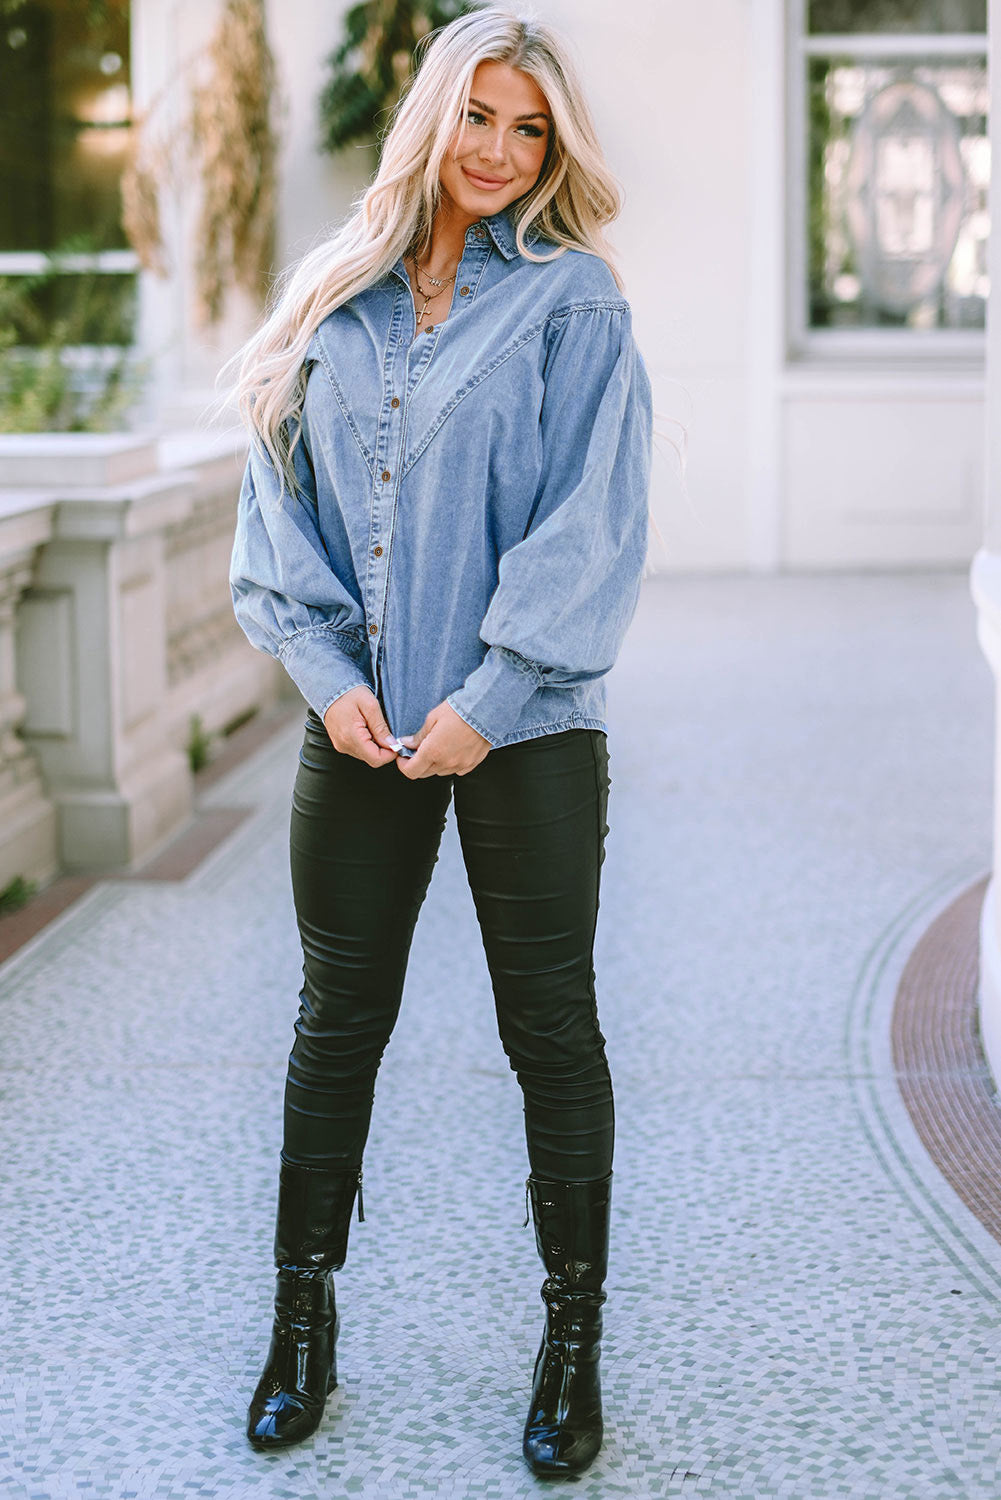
x,y
474,519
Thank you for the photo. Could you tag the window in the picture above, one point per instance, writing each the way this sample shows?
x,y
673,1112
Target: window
x,y
65,118
891,163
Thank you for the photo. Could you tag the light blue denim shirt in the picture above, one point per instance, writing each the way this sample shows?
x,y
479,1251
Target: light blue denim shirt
x,y
474,525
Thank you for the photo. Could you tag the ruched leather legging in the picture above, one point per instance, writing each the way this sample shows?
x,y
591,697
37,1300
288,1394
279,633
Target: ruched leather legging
x,y
531,819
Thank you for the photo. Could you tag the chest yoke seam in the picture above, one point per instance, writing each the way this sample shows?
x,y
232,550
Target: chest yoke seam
x,y
345,409
525,337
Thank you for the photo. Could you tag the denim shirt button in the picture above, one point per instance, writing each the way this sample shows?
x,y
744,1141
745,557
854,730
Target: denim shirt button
x,y
373,630
376,551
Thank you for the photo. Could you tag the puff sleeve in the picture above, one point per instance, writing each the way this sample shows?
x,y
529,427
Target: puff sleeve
x,y
286,597
568,590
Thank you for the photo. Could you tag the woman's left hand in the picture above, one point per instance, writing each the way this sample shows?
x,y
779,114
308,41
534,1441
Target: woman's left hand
x,y
446,746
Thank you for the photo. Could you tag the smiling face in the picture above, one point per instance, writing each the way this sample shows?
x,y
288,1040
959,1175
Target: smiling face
x,y
498,151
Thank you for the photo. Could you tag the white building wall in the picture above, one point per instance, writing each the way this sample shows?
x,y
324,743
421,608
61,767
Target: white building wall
x,y
881,470
669,85
315,189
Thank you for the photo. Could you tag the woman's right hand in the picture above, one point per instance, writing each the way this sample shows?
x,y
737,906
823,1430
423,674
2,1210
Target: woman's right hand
x,y
356,726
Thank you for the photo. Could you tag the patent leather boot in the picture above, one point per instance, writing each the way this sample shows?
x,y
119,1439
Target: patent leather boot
x,y
311,1235
564,1429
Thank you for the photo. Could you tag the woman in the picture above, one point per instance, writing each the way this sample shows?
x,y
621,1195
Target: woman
x,y
442,530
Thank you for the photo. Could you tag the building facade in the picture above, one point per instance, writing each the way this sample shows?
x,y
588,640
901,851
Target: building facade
x,y
804,241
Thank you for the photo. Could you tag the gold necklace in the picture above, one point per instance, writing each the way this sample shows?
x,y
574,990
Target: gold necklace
x,y
439,282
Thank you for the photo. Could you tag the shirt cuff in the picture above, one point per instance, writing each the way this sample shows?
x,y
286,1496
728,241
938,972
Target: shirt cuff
x,y
320,663
494,694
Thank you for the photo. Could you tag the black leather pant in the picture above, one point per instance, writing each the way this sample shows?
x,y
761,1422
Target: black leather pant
x,y
364,841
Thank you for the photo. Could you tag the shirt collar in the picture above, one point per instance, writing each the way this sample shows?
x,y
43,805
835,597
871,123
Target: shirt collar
x,y
503,232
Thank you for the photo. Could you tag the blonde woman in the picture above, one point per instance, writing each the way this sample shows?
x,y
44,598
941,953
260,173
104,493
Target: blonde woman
x,y
442,530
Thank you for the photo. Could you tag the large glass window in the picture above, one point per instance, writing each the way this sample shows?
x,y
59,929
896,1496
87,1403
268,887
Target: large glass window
x,y
65,118
890,187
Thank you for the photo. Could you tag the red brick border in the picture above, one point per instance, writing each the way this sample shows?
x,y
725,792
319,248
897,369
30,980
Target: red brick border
x,y
939,1061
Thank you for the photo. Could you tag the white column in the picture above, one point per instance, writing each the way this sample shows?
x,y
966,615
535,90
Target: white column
x,y
766,282
986,577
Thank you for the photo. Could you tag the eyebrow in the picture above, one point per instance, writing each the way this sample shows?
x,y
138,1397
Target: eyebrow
x,y
488,109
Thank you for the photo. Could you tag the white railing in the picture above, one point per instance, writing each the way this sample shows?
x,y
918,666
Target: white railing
x,y
115,629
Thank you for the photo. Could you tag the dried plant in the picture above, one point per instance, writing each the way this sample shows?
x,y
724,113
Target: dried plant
x,y
235,145
142,177
226,141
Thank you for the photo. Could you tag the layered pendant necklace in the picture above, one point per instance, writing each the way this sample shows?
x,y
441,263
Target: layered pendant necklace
x,y
437,282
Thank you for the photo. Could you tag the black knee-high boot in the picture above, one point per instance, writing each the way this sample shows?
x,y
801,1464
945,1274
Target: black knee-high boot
x,y
564,1428
311,1236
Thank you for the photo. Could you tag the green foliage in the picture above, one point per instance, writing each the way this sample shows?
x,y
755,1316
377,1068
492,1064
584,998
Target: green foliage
x,y
820,128
199,744
372,64
65,360
16,894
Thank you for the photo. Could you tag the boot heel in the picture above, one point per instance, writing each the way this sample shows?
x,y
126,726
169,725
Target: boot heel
x,y
332,1378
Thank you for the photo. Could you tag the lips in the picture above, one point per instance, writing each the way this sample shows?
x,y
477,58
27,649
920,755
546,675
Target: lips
x,y
479,179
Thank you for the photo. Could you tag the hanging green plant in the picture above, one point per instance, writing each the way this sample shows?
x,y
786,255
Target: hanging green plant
x,y
373,62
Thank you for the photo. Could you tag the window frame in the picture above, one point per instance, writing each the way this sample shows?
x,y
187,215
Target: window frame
x,y
104,262
962,347
117,262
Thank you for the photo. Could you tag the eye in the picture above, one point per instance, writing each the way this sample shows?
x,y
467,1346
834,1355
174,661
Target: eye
x,y
531,130
474,116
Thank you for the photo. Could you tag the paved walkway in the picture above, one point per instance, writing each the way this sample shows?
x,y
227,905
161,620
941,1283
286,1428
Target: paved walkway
x,y
798,1305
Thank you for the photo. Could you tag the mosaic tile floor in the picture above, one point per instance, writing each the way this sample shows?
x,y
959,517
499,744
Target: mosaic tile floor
x,y
799,1306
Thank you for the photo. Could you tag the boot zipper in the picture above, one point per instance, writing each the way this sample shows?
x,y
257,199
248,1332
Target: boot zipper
x,y
527,1184
361,1200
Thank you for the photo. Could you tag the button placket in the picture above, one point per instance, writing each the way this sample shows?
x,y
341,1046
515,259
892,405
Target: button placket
x,y
386,477
389,447
404,369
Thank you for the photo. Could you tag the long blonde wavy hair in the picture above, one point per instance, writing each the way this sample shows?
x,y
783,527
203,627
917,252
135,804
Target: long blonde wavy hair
x,y
574,197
